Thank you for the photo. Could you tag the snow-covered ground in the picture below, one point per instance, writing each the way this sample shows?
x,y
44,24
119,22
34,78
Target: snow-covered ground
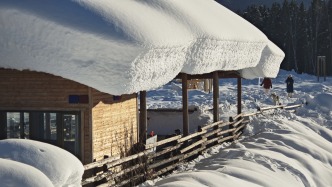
x,y
279,148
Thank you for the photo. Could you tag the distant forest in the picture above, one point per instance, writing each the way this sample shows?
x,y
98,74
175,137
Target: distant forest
x,y
302,33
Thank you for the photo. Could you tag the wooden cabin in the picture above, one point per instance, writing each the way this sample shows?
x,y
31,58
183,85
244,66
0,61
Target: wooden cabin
x,y
86,122
48,108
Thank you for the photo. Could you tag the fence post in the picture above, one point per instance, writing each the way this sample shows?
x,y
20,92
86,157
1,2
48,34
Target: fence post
x,y
231,126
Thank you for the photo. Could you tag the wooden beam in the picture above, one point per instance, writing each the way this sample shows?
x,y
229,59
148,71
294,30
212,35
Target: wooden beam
x,y
185,125
143,118
221,74
228,74
215,97
239,95
170,110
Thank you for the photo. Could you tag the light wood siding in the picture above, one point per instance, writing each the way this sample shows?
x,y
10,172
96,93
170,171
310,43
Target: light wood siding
x,y
114,124
109,127
29,90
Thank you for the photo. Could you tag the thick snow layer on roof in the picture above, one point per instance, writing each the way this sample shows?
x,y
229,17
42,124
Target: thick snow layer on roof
x,y
268,65
62,168
127,46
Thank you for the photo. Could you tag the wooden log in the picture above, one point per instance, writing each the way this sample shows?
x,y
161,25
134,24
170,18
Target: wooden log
x,y
237,116
191,136
224,124
100,163
122,183
124,171
166,150
272,107
251,114
225,139
293,106
194,152
193,145
95,178
238,122
164,170
238,135
211,133
211,125
240,127
162,142
107,184
126,159
165,161
226,131
245,121
231,126
213,140
168,168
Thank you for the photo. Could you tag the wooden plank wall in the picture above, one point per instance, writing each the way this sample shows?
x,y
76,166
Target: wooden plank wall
x,y
114,122
111,122
29,90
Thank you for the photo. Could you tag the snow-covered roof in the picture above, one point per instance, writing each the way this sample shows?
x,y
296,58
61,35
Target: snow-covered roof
x,y
126,46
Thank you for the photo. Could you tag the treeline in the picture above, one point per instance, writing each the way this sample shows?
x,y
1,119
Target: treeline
x,y
302,32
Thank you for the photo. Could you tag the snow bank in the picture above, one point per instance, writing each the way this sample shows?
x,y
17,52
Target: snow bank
x,y
18,174
127,46
60,166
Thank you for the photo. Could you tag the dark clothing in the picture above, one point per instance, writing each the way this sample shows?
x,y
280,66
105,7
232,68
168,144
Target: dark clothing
x,y
289,81
267,83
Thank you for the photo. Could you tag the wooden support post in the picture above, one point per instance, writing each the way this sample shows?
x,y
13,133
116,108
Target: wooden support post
x,y
185,105
215,97
318,71
143,118
59,129
231,126
48,125
324,67
239,95
22,125
3,125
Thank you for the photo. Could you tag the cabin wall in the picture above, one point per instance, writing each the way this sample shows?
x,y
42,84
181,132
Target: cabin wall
x,y
114,120
108,123
36,91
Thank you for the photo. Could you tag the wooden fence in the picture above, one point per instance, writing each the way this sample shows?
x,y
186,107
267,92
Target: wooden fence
x,y
164,156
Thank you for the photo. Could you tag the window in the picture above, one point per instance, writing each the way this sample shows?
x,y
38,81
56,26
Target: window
x,y
58,128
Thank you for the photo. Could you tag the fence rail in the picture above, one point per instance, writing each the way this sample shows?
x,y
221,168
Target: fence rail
x,y
168,154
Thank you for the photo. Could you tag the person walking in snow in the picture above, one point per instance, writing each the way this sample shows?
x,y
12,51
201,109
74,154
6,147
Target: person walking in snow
x,y
267,84
289,83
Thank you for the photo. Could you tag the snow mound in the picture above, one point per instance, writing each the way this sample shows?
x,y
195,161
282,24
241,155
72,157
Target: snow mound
x,y
18,174
60,166
122,47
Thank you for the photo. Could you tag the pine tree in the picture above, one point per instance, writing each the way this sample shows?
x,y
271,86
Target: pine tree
x,y
303,43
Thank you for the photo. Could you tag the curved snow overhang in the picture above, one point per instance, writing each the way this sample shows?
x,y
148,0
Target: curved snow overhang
x,y
122,47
